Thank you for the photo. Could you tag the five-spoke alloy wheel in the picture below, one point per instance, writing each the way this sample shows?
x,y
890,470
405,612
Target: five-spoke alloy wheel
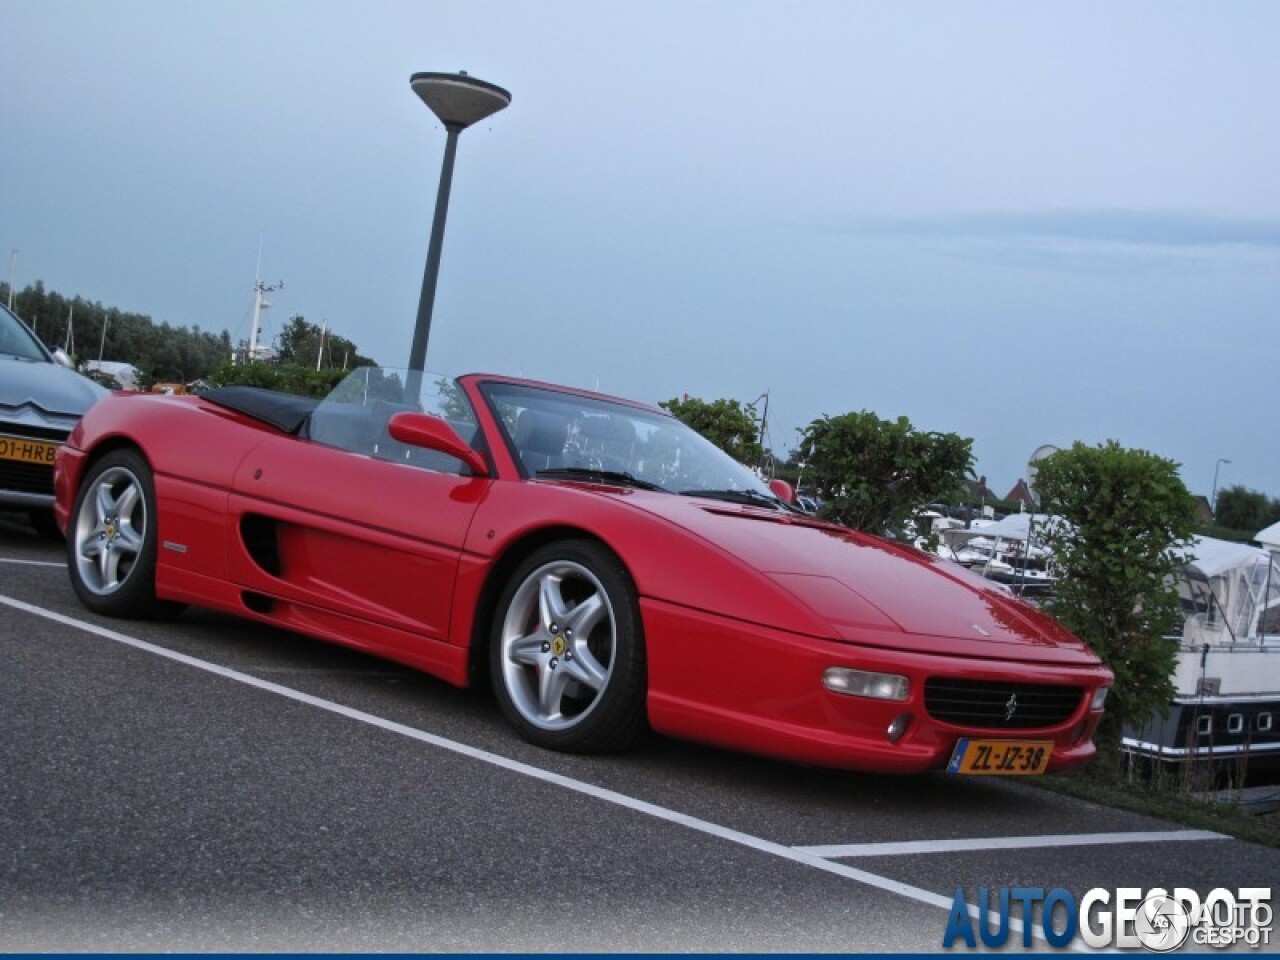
x,y
567,651
111,543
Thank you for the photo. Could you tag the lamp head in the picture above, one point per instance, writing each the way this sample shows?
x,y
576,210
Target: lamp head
x,y
457,99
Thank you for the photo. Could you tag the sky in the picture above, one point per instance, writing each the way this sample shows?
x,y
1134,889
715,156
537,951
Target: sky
x,y
1026,223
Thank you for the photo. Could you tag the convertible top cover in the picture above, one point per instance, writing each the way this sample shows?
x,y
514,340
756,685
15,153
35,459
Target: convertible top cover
x,y
283,411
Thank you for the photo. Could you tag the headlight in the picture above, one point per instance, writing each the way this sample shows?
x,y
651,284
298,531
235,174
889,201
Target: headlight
x,y
859,683
1099,698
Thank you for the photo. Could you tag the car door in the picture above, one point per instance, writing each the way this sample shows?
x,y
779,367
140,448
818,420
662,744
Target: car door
x,y
375,536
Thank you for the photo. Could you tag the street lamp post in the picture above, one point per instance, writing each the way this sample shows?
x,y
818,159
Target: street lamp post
x,y
1213,500
458,101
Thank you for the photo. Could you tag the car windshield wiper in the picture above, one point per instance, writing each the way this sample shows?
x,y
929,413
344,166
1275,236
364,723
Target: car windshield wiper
x,y
589,474
752,497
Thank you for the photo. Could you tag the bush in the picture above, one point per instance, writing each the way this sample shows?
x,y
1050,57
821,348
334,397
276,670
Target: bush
x,y
1129,519
287,378
873,474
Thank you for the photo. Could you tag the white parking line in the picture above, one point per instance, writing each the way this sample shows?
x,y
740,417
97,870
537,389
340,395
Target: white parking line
x,y
33,563
805,856
846,851
514,766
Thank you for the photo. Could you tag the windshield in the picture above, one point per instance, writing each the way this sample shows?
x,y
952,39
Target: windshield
x,y
18,341
556,434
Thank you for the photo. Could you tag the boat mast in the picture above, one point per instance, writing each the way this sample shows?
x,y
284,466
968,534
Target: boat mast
x,y
260,303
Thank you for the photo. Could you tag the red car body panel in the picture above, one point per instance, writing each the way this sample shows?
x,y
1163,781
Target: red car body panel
x,y
743,609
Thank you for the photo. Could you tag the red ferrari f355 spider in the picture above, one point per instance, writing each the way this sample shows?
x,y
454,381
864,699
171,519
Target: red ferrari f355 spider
x,y
606,568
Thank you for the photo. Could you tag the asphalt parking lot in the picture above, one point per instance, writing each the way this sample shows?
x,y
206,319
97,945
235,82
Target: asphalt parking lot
x,y
210,784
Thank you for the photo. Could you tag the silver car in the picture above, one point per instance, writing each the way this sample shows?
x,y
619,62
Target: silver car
x,y
40,402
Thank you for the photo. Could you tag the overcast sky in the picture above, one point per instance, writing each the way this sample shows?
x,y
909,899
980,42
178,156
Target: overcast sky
x,y
1026,223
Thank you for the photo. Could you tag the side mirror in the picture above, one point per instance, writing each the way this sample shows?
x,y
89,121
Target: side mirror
x,y
432,433
783,491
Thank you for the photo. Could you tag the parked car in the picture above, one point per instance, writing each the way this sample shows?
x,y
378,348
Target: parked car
x,y
41,399
604,567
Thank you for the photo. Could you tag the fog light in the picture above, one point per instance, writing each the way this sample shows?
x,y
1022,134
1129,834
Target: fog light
x,y
898,727
1099,698
859,683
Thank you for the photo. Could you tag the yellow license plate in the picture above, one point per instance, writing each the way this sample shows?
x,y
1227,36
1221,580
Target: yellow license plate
x,y
1004,758
28,451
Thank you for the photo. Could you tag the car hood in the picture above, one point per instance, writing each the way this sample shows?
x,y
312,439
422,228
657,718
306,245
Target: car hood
x,y
873,592
44,394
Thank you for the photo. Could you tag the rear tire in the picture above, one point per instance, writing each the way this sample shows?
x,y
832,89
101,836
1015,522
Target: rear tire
x,y
111,540
567,655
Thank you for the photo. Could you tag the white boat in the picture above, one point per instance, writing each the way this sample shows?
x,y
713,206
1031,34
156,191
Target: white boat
x,y
1007,551
1226,703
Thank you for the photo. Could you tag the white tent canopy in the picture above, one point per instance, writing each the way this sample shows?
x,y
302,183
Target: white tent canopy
x,y
1270,537
1245,587
1213,558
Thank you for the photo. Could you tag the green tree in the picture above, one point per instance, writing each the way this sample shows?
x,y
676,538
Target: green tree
x,y
165,352
1241,509
873,474
728,424
1128,520
161,352
304,344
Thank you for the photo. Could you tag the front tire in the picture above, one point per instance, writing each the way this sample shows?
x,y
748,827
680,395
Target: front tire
x,y
111,541
567,653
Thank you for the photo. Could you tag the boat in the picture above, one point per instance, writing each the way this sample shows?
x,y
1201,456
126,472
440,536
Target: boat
x,y
1008,551
1226,705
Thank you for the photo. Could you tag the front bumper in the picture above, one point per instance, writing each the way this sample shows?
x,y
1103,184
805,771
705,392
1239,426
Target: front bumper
x,y
761,690
25,480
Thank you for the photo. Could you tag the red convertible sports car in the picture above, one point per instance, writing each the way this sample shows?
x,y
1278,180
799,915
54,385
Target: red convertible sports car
x,y
603,566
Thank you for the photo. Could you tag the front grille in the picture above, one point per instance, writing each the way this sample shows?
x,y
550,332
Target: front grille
x,y
10,429
999,705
